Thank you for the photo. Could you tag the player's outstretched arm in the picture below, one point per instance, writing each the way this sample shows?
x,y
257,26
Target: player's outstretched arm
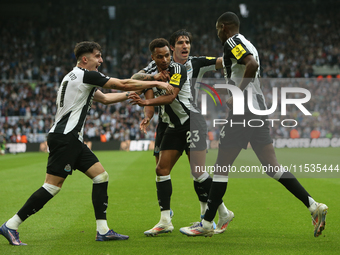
x,y
219,63
250,71
131,84
161,100
142,76
148,112
110,98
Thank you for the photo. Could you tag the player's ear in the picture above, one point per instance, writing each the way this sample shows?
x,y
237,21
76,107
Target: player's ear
x,y
223,27
84,58
172,48
152,57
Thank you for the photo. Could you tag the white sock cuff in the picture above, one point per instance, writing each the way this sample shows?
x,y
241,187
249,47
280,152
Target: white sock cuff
x,y
165,216
202,178
163,178
220,178
102,227
312,204
100,178
53,190
279,173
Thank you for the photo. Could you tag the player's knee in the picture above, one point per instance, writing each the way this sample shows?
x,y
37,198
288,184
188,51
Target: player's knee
x,y
162,171
52,189
100,178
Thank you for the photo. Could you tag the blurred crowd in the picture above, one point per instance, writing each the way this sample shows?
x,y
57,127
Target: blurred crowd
x,y
37,53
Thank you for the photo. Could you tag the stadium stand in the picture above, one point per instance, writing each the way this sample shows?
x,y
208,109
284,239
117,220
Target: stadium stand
x,y
36,52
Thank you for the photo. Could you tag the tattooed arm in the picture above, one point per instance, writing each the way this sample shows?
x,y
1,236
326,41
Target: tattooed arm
x,y
142,76
131,85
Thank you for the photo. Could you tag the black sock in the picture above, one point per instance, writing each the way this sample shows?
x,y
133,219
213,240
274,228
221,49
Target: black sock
x,y
100,200
217,191
203,189
293,185
164,192
36,201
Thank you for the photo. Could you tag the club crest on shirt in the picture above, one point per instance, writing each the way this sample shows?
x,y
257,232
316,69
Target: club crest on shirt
x,y
68,168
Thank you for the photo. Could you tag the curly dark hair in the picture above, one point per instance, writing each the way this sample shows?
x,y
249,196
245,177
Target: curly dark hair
x,y
158,43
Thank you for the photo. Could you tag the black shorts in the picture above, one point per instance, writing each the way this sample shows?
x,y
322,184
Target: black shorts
x,y
67,153
192,136
160,130
242,129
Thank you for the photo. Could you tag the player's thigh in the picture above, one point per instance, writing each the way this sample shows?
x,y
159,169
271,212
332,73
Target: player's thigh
x,y
235,133
266,154
167,160
95,170
86,160
54,180
227,156
261,134
64,151
172,147
160,130
174,140
196,135
197,162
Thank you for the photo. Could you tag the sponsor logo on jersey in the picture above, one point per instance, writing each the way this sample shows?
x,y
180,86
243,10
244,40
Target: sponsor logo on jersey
x,y
175,79
238,51
68,168
209,58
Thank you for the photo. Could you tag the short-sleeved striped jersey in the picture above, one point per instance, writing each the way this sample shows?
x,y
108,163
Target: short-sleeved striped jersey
x,y
196,67
178,112
74,100
236,48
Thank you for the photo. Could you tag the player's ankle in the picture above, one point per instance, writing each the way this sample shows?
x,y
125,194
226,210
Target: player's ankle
x,y
207,224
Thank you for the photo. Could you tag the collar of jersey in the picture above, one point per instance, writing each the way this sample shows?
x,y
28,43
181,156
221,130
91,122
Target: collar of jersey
x,y
82,68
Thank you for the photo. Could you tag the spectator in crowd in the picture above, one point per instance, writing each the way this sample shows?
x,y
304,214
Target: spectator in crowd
x,y
35,56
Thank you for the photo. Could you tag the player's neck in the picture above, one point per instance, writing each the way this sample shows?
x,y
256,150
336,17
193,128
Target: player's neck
x,y
80,65
181,61
232,33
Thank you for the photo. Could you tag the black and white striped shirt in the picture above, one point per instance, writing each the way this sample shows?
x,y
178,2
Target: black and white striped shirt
x,y
236,48
74,100
196,68
178,112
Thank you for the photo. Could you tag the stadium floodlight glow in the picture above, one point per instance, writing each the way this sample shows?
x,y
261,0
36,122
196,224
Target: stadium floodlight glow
x,y
243,10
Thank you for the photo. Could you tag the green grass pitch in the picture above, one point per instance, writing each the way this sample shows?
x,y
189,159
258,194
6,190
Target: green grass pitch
x,y
268,219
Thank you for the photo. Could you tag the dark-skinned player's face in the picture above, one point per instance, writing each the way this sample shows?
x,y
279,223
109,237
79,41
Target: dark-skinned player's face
x,y
162,57
220,32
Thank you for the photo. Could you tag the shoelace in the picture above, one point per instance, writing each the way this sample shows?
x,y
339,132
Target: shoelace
x,y
195,224
16,235
316,220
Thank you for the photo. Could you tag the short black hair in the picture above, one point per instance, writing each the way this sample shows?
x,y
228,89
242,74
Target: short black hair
x,y
158,43
229,18
85,47
177,34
